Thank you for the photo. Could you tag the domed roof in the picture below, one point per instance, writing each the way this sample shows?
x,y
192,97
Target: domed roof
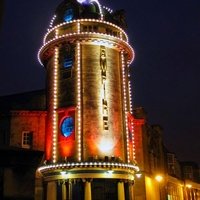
x,y
77,9
86,9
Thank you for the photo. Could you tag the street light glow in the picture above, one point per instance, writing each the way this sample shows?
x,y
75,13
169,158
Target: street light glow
x,y
138,174
188,185
159,178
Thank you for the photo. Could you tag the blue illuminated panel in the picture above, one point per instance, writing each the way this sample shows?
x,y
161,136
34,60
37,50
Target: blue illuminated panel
x,y
68,16
68,63
67,126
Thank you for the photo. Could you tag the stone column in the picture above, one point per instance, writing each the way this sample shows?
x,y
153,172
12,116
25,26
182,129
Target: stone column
x,y
70,190
121,194
88,193
131,191
64,191
38,187
51,191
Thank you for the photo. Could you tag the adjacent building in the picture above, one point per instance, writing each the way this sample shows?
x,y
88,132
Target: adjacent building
x,y
162,175
22,128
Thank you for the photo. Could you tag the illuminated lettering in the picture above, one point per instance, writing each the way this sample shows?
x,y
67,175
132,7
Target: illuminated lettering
x,y
103,63
103,67
105,107
105,122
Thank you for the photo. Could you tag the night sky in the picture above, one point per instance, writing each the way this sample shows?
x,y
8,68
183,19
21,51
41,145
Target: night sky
x,y
166,38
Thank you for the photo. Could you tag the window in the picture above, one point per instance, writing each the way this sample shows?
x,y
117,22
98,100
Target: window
x,y
67,126
95,28
85,28
68,62
188,172
27,137
68,16
90,28
170,158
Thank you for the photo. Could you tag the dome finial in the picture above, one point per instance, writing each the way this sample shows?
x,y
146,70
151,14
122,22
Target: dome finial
x,y
84,1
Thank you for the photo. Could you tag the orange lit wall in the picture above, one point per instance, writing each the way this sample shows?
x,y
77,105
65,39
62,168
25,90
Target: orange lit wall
x,y
97,140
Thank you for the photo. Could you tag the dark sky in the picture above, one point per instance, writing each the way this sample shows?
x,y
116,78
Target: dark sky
x,y
166,38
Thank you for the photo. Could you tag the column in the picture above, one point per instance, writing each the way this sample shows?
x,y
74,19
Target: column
x,y
51,191
88,194
64,191
38,189
131,191
121,194
70,190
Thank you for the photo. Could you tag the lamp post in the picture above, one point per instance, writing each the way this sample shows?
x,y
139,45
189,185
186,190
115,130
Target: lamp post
x,y
139,181
159,179
138,174
188,191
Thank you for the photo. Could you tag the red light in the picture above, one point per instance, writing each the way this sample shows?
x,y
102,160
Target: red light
x,y
66,145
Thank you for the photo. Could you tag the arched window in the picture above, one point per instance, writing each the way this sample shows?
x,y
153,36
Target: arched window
x,y
68,16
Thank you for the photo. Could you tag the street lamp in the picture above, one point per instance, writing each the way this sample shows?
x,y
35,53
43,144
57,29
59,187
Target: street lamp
x,y
159,179
188,191
188,185
138,174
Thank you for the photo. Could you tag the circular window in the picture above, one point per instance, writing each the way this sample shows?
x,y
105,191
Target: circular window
x,y
67,126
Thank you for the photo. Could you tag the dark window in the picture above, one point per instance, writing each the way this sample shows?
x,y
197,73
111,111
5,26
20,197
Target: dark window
x,y
90,28
84,28
115,33
95,28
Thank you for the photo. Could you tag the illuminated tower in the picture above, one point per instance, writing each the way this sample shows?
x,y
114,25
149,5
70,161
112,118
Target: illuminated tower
x,y
89,150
